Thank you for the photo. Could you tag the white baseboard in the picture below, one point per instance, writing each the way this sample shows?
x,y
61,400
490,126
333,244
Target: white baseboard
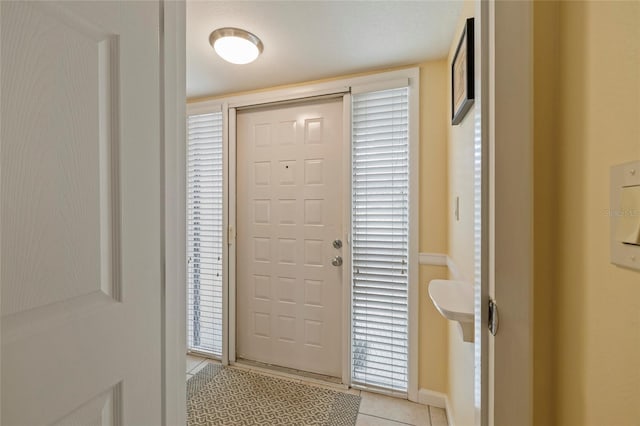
x,y
436,399
433,398
449,412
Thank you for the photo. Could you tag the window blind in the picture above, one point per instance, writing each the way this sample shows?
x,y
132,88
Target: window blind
x,y
204,233
380,234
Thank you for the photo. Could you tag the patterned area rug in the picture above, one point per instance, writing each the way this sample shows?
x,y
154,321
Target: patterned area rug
x,y
219,395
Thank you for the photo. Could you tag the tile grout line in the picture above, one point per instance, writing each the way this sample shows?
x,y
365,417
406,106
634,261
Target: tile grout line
x,y
446,419
384,418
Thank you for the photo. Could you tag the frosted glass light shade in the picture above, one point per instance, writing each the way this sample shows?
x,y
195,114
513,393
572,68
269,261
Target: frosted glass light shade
x,y
236,45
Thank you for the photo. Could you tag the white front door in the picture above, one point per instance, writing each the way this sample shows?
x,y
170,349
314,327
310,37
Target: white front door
x,y
80,213
289,203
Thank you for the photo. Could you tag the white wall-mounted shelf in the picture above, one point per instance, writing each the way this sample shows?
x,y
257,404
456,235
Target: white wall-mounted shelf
x,y
454,300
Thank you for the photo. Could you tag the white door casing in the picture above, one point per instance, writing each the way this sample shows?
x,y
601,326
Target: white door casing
x,y
81,213
504,73
511,133
289,212
173,81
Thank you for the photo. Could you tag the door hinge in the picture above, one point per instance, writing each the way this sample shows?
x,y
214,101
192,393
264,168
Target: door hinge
x,y
493,317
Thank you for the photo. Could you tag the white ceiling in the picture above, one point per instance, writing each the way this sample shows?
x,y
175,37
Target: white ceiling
x,y
309,40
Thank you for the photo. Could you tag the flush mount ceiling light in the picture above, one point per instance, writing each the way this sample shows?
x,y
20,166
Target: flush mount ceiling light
x,y
236,45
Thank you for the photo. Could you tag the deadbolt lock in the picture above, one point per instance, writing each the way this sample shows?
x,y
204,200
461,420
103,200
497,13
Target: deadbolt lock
x,y
337,244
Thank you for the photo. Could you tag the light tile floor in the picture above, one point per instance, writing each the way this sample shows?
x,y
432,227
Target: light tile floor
x,y
375,409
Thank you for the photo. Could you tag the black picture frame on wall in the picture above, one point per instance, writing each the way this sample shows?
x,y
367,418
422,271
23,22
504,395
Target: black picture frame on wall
x,y
462,75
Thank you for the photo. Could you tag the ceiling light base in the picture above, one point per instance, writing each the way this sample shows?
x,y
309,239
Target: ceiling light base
x,y
236,45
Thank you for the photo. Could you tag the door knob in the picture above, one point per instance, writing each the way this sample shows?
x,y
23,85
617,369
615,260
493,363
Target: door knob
x,y
336,261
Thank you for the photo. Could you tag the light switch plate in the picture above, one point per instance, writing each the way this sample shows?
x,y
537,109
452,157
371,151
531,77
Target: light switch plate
x,y
624,178
628,221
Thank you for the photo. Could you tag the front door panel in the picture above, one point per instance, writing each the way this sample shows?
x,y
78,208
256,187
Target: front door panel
x,y
289,177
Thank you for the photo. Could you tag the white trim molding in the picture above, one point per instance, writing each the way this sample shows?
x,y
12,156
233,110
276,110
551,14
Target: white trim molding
x,y
413,75
347,272
173,310
441,259
453,270
449,411
433,259
432,398
506,382
311,90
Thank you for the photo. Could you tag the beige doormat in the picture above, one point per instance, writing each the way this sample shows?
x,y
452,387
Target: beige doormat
x,y
219,395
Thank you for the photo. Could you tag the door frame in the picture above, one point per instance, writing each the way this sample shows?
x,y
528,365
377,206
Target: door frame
x,y
345,331
0,232
340,87
504,73
172,45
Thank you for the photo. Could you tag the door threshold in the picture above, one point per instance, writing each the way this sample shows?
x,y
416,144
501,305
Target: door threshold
x,y
290,373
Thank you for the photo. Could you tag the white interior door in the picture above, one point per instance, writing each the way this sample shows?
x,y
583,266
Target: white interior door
x,y
80,213
289,212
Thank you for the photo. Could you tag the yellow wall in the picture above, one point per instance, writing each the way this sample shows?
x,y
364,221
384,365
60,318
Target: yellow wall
x,y
461,242
594,306
433,220
546,98
598,340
